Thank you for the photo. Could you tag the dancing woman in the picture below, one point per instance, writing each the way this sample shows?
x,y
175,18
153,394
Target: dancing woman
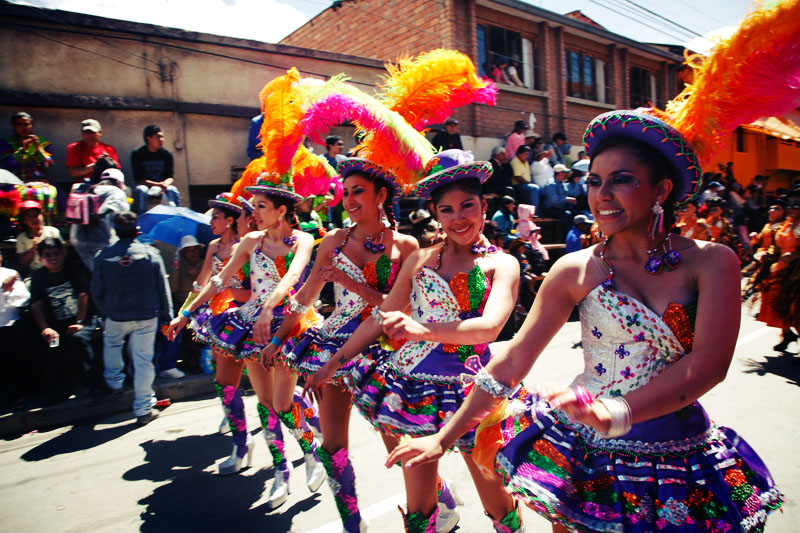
x,y
278,254
460,293
626,446
362,262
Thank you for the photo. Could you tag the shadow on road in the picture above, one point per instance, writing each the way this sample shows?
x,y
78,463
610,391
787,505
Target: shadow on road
x,y
78,438
196,498
786,365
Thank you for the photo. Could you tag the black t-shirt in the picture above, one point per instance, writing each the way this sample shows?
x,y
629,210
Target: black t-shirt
x,y
444,141
59,291
153,166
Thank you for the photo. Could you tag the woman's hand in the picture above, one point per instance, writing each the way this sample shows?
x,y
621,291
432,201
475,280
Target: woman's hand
x,y
335,275
175,325
415,452
268,355
564,398
317,380
397,325
262,329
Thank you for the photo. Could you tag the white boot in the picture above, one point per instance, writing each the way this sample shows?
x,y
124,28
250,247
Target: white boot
x,y
315,472
279,492
234,463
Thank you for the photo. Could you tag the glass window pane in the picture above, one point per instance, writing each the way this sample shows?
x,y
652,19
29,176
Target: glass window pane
x,y
482,58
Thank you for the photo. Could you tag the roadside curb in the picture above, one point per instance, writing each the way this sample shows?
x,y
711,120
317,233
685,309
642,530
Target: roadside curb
x,y
86,407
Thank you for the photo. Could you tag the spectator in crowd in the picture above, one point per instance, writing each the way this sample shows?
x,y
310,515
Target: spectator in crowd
x,y
254,137
714,190
449,138
524,189
61,311
529,231
129,285
25,154
88,239
334,145
536,144
516,138
578,237
82,156
512,73
690,225
559,146
504,220
576,188
499,182
498,72
34,231
541,171
555,201
16,368
153,170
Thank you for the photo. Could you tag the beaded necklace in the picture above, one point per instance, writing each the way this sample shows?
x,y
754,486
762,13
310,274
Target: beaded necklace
x,y
668,262
479,248
368,245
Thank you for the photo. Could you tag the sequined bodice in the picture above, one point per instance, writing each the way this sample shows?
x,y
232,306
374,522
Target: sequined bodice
x,y
238,281
379,275
625,344
434,300
265,274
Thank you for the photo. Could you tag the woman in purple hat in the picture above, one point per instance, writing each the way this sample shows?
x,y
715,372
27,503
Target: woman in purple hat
x,y
362,262
460,294
626,446
277,255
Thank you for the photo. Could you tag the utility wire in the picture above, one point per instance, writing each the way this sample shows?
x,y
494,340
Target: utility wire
x,y
669,21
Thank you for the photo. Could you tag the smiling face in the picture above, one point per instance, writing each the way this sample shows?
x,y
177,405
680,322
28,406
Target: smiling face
x,y
461,215
266,214
220,221
32,220
360,198
53,258
621,191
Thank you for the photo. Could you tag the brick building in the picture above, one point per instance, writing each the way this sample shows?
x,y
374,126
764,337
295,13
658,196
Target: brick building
x,y
571,68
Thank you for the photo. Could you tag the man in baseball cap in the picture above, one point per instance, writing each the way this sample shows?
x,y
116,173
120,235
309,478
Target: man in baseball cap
x,y
82,155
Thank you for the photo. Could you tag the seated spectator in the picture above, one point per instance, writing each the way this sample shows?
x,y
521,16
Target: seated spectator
x,y
61,311
555,201
689,224
424,227
449,138
524,189
130,288
498,73
153,170
504,220
714,190
576,188
559,148
516,138
24,154
88,239
82,156
491,233
541,171
512,73
15,360
35,231
529,231
499,182
578,236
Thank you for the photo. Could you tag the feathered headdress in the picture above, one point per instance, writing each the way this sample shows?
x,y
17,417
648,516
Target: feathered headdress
x,y
287,168
426,89
754,73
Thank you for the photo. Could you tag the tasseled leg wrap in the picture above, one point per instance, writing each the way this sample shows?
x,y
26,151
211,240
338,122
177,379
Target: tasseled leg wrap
x,y
233,405
511,523
342,480
420,523
273,434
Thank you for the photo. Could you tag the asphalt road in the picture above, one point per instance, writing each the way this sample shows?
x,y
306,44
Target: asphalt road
x,y
113,476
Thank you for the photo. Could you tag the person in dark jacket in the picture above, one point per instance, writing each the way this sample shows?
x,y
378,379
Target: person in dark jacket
x,y
129,286
449,138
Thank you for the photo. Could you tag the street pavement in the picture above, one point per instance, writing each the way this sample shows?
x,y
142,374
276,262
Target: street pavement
x,y
115,476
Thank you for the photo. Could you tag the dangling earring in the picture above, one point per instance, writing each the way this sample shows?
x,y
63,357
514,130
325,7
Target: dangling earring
x,y
381,213
656,221
280,224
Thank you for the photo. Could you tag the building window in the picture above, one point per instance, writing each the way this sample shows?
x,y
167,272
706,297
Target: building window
x,y
505,56
584,74
642,90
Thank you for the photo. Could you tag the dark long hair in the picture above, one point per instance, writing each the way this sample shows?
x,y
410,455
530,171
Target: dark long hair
x,y
291,215
379,184
229,213
659,165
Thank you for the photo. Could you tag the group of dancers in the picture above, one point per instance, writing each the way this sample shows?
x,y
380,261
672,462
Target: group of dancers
x,y
624,447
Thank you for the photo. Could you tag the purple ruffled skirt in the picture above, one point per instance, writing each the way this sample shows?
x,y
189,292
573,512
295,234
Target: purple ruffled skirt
x,y
677,472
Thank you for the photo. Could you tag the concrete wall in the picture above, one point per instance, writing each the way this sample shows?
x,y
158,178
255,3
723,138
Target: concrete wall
x,y
201,89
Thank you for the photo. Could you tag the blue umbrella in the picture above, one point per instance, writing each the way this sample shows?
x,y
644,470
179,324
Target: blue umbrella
x,y
170,224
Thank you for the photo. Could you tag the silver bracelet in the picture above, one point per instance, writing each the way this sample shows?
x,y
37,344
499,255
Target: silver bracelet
x,y
621,418
491,386
297,307
196,287
216,281
376,314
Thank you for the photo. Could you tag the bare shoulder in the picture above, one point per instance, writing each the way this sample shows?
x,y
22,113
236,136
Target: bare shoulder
x,y
709,256
420,256
505,261
578,272
406,243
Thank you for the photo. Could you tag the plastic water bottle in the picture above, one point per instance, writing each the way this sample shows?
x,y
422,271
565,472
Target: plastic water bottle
x,y
206,360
